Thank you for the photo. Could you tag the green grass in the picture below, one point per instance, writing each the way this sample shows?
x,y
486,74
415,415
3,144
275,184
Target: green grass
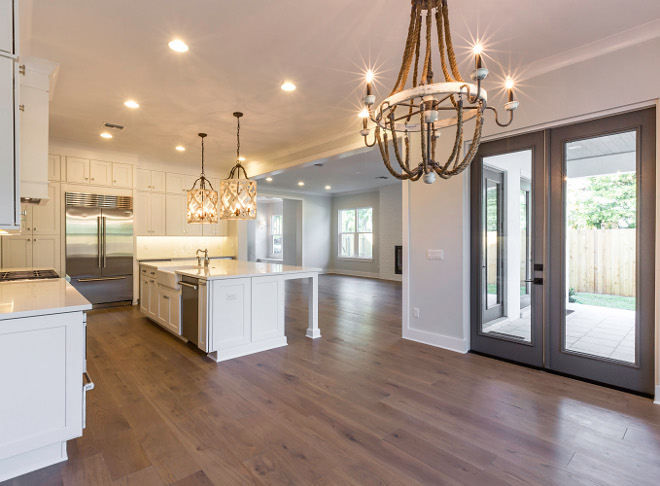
x,y
604,300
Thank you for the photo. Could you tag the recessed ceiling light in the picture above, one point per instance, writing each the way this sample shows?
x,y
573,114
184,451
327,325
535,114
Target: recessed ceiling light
x,y
288,86
178,45
180,148
327,188
301,183
269,179
106,135
241,158
131,104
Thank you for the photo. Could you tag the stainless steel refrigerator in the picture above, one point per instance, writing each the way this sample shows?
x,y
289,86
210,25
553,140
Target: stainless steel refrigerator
x,y
99,246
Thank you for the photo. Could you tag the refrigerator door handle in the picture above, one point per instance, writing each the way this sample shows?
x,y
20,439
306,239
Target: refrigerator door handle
x,y
98,239
100,279
105,261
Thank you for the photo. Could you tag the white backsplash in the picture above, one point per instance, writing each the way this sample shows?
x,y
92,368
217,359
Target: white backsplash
x,y
151,247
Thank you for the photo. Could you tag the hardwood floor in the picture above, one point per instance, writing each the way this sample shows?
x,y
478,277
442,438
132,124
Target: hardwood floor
x,y
359,406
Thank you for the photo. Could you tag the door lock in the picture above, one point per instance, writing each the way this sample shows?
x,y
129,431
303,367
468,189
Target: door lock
x,y
535,281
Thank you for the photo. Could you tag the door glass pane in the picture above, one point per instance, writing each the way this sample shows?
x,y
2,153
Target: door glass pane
x,y
600,246
507,246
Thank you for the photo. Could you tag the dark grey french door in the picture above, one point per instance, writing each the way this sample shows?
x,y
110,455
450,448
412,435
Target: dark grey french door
x,y
576,241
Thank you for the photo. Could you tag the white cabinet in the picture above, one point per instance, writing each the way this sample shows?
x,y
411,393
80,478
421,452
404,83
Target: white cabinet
x,y
46,218
149,214
8,19
9,141
122,175
267,307
177,217
16,251
42,387
150,180
169,306
144,294
77,170
176,183
218,229
54,168
231,312
100,173
46,252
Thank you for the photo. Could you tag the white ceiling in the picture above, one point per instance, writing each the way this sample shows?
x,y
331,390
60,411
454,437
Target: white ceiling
x,y
241,51
359,171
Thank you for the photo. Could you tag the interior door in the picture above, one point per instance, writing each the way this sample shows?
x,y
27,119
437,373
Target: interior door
x,y
602,245
509,317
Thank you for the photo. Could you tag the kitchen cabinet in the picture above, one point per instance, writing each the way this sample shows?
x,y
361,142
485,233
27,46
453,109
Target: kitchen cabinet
x,y
122,175
177,216
144,294
100,173
77,170
218,229
8,19
28,251
54,168
169,309
45,219
149,214
9,141
176,183
150,180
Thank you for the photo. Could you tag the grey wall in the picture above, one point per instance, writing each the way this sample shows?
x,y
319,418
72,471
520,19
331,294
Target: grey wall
x,y
390,234
292,231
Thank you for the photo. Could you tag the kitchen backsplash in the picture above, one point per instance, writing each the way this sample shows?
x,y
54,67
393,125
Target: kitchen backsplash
x,y
150,247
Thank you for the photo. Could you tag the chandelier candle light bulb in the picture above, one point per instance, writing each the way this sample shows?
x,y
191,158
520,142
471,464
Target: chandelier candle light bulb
x,y
417,109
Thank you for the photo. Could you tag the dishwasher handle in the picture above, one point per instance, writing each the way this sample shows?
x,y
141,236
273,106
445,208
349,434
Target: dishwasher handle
x,y
186,284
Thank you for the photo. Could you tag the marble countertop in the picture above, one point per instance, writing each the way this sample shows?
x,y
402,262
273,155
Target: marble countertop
x,y
29,298
224,269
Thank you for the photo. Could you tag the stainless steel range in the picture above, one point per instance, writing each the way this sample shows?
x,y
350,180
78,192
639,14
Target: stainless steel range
x,y
36,274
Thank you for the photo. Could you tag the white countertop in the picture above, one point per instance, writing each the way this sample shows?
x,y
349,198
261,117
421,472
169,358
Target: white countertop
x,y
223,269
30,298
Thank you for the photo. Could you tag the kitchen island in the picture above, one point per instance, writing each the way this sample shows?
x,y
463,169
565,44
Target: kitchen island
x,y
230,308
42,373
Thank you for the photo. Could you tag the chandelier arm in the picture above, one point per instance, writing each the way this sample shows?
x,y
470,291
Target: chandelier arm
x,y
450,46
441,45
406,51
459,135
386,158
476,140
397,151
427,56
497,117
414,48
415,67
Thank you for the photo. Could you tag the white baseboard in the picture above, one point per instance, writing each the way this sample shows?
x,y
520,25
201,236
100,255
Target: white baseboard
x,y
353,273
438,340
245,349
32,460
657,395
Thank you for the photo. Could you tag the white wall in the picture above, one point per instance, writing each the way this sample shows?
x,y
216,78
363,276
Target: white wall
x,y
439,213
292,217
391,235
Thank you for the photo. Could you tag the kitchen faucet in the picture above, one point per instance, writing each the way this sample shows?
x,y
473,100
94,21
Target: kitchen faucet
x,y
206,258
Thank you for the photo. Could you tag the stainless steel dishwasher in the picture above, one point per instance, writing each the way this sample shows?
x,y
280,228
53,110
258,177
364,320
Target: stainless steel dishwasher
x,y
190,309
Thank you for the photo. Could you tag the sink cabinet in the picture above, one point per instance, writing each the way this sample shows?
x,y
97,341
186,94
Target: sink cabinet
x,y
160,303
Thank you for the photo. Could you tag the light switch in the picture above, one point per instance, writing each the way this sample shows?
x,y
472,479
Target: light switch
x,y
435,254
416,312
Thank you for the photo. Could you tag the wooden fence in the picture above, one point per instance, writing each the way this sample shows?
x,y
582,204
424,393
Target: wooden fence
x,y
602,261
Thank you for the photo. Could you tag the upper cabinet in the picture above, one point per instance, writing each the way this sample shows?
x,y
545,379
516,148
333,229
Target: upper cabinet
x,y
77,170
8,19
54,168
99,172
150,180
122,175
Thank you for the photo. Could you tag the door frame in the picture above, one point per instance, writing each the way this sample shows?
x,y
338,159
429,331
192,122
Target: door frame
x,y
526,353
641,376
498,310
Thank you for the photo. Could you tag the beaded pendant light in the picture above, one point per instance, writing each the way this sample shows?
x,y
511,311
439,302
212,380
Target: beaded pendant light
x,y
202,202
238,197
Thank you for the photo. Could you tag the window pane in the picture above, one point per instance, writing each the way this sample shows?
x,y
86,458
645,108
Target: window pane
x,y
365,245
276,224
347,221
347,245
277,244
364,220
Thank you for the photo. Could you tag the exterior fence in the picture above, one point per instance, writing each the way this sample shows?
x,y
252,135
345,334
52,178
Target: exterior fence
x,y
602,261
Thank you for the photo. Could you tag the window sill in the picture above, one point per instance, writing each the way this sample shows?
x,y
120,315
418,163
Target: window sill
x,y
355,259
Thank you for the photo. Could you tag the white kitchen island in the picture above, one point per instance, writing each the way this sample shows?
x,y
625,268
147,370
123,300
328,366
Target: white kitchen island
x,y
42,368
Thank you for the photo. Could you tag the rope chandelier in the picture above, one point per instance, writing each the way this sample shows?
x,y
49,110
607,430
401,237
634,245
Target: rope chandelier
x,y
416,109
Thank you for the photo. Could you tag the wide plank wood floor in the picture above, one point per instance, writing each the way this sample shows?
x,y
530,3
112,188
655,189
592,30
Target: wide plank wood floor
x,y
359,406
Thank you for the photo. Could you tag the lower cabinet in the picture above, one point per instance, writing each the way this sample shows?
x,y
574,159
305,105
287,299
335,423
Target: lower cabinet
x,y
42,359
169,309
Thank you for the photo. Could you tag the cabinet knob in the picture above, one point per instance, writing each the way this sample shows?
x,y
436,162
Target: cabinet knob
x,y
21,69
92,178
114,182
21,107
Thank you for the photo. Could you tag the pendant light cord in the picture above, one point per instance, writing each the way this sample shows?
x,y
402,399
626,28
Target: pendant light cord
x,y
238,140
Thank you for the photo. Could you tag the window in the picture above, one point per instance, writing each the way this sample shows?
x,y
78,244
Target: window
x,y
276,235
356,233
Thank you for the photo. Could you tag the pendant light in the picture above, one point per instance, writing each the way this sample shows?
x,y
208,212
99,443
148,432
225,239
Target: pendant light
x,y
238,197
202,202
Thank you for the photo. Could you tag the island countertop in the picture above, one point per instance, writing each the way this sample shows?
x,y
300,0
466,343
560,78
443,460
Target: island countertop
x,y
224,269
29,298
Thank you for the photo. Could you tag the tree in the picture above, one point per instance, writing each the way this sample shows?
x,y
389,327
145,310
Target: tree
x,y
608,201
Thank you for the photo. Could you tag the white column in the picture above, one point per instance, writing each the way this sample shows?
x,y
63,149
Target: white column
x,y
313,299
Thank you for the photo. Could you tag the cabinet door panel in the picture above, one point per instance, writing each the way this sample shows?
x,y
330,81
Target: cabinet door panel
x,y
153,299
33,135
267,307
141,213
122,175
7,26
9,206
77,170
16,252
157,214
46,252
143,180
175,183
54,168
174,206
145,293
100,173
230,306
46,218
157,181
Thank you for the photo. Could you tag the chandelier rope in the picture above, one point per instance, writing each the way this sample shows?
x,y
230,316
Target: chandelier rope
x,y
426,99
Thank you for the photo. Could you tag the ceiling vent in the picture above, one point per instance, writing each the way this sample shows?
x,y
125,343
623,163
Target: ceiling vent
x,y
113,126
382,177
319,164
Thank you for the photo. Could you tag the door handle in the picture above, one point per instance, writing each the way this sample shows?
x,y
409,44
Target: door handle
x,y
98,241
104,245
186,284
89,385
535,281
99,279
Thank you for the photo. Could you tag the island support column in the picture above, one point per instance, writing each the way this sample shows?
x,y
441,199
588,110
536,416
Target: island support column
x,y
313,299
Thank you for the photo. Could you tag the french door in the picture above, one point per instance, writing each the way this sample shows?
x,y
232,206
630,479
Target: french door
x,y
563,234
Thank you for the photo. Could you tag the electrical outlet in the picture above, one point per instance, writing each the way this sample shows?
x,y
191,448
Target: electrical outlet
x,y
416,312
435,254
